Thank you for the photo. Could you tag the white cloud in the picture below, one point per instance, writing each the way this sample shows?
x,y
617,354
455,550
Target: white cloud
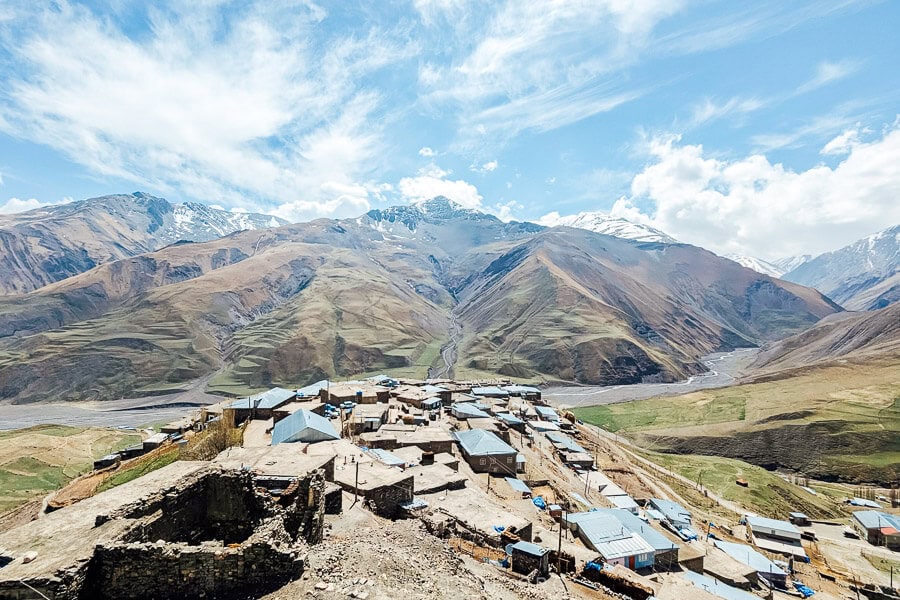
x,y
488,167
238,104
426,187
828,72
843,143
751,206
551,219
505,211
426,152
708,110
17,205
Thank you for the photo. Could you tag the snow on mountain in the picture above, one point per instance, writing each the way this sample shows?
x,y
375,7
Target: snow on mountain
x,y
614,226
864,275
200,222
789,263
757,264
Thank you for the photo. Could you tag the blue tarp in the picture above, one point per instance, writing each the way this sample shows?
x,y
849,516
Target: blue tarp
x,y
499,528
539,502
806,591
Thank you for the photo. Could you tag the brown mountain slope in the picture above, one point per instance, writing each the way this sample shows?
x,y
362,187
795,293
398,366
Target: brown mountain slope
x,y
569,304
46,245
292,304
840,337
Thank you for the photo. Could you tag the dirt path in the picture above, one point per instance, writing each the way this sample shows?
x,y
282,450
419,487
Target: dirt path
x,y
449,352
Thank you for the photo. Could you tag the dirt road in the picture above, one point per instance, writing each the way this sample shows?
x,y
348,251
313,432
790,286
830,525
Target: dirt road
x,y
449,352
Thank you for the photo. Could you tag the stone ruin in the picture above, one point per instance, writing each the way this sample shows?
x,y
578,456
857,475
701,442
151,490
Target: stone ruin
x,y
212,534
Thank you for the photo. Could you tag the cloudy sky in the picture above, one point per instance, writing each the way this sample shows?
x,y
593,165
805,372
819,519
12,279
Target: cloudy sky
x,y
762,128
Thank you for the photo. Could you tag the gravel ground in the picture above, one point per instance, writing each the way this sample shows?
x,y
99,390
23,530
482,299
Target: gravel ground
x,y
724,368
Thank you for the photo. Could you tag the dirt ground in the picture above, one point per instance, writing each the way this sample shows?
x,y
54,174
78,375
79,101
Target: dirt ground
x,y
367,557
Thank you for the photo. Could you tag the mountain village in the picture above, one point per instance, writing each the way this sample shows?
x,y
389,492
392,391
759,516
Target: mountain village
x,y
511,489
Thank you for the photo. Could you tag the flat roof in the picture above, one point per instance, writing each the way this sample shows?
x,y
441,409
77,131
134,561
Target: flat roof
x,y
282,460
672,510
373,474
476,510
750,557
529,548
717,588
766,523
469,411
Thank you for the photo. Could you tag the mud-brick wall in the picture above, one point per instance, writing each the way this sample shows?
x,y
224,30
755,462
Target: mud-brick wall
x,y
305,517
386,500
167,571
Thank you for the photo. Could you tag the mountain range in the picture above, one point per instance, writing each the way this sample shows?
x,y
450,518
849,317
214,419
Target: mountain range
x,y
387,291
600,222
49,244
864,275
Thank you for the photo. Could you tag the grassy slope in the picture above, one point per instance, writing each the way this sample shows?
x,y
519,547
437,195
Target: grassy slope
x,y
38,460
850,412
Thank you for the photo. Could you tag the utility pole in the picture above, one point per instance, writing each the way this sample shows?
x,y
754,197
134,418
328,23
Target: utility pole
x,y
559,544
356,483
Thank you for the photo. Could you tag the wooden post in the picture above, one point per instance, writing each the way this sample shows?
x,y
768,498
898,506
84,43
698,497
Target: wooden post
x,y
559,544
356,483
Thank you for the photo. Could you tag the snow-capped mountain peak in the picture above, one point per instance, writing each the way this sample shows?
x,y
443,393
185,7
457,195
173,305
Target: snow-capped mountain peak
x,y
757,264
600,222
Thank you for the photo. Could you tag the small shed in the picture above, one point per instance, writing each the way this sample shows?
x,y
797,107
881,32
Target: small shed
x,y
528,557
798,518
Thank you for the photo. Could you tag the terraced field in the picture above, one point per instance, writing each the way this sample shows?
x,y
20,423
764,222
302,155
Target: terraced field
x,y
38,460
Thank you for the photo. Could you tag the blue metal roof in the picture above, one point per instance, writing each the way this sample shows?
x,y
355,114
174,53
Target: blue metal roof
x,y
529,548
634,524
864,502
266,400
489,391
717,588
478,442
303,426
521,389
750,557
518,485
874,519
313,389
672,510
764,522
387,458
434,389
546,411
469,411
509,419
565,441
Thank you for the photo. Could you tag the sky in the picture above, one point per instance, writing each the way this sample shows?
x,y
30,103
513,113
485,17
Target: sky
x,y
767,129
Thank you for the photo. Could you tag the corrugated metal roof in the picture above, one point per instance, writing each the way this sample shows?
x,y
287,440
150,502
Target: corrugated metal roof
x,y
635,525
313,389
766,523
874,519
543,425
434,389
717,588
625,502
864,502
620,548
750,557
468,410
561,439
522,389
508,418
386,457
303,426
529,548
672,510
488,391
546,411
478,442
518,485
266,400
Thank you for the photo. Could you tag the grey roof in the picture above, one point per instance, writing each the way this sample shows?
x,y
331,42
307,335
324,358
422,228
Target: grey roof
x,y
672,510
529,548
522,389
434,389
561,439
546,411
392,460
766,523
489,391
623,502
636,525
518,485
750,557
478,442
266,400
469,411
631,545
717,588
864,502
313,389
874,519
510,419
797,515
303,426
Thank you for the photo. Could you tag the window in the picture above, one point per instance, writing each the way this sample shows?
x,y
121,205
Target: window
x,y
482,461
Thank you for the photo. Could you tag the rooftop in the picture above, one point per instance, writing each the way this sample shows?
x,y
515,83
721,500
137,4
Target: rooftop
x,y
717,588
750,557
529,548
672,510
875,519
468,410
477,442
283,460
766,523
303,426
266,400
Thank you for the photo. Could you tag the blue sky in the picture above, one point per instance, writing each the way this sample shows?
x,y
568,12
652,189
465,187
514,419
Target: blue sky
x,y
764,128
